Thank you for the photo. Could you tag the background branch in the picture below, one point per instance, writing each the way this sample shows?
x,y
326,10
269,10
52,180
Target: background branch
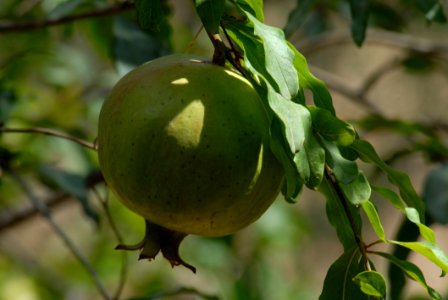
x,y
38,24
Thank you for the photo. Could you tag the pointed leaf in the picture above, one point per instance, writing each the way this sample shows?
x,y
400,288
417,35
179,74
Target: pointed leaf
x,y
278,58
430,250
372,214
360,17
357,191
332,128
210,12
436,194
337,216
425,231
254,7
389,195
397,178
321,95
371,283
412,271
338,282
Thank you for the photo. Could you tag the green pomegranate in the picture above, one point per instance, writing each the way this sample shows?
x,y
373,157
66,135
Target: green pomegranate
x,y
185,144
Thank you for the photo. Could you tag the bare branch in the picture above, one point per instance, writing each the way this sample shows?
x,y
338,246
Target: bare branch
x,y
38,24
46,213
50,132
374,36
12,219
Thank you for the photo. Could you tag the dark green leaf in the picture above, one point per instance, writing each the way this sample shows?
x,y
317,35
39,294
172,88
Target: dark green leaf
x,y
338,282
210,12
436,194
297,16
399,179
371,283
332,128
372,214
360,17
72,184
134,47
337,216
150,14
389,195
386,16
8,98
412,271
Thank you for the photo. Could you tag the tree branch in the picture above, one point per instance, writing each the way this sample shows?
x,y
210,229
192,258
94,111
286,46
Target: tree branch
x,y
46,213
50,132
38,24
12,219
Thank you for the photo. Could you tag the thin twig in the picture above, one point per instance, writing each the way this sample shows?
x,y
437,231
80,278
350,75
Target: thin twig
x,y
46,213
50,132
38,24
124,266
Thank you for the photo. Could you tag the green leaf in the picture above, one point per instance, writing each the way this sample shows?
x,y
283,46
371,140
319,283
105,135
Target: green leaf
x,y
389,195
295,118
150,14
425,231
315,156
297,16
72,184
338,283
321,95
360,16
278,58
397,178
433,10
436,194
337,216
332,128
372,214
134,47
66,8
254,7
430,250
358,191
371,283
345,171
412,271
210,12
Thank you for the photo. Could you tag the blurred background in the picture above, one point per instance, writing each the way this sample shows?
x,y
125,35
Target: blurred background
x,y
394,89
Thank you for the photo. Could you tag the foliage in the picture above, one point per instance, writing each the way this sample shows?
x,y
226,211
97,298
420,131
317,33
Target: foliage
x,y
45,82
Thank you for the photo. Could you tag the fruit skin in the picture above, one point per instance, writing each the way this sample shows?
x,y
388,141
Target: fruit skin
x,y
185,144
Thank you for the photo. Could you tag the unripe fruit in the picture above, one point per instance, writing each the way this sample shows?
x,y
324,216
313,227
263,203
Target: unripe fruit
x,y
185,144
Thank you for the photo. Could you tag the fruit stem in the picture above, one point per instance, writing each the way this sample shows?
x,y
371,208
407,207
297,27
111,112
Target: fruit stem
x,y
219,55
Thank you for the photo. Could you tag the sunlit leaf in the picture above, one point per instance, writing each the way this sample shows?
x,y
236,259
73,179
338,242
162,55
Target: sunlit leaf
x,y
278,58
372,214
412,271
371,283
425,231
430,250
399,179
254,7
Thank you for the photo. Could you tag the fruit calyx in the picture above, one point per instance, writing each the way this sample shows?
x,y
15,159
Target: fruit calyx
x,y
159,239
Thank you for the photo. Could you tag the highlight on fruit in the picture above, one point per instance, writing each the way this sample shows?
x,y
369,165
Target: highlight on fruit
x,y
184,143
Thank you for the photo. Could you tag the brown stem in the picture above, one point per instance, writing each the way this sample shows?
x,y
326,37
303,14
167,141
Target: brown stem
x,y
50,132
219,56
38,24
